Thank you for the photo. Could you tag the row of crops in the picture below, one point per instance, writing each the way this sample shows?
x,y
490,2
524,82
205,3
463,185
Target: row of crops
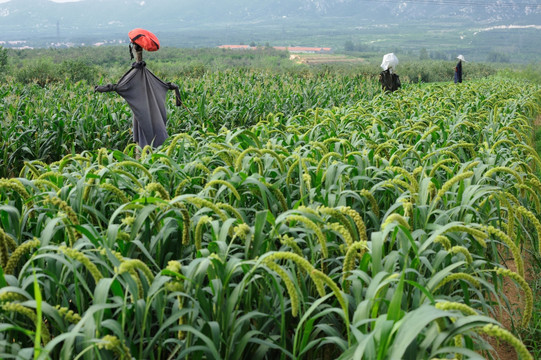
x,y
377,230
47,123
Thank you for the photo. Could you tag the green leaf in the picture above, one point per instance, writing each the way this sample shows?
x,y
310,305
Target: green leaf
x,y
3,282
395,308
411,326
37,339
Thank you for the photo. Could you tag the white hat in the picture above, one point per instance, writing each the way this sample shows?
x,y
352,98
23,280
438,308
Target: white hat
x,y
461,57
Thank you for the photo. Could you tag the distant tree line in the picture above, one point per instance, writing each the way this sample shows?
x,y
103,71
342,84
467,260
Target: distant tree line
x,y
424,54
108,63
498,57
3,61
350,46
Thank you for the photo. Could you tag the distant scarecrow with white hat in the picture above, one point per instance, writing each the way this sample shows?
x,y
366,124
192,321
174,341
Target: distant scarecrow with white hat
x,y
458,69
389,80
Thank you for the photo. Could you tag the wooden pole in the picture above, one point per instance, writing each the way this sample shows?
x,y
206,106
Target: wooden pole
x,y
138,58
138,53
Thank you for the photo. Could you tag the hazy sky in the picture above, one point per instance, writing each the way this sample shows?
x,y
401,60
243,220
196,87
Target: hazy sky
x,y
58,1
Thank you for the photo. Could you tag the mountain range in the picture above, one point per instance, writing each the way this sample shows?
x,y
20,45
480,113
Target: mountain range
x,y
20,16
193,22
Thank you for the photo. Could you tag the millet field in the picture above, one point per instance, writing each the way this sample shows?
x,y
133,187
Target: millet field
x,y
299,214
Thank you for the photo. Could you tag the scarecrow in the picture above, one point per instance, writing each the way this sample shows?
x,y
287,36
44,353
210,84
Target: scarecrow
x,y
388,79
458,69
144,92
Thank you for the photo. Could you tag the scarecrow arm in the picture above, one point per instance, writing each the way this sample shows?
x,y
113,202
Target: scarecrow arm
x,y
105,88
177,92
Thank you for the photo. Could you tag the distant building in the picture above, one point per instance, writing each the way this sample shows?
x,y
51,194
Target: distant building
x,y
291,49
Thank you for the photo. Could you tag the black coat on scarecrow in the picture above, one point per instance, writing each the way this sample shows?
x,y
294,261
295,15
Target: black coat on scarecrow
x,y
145,94
388,79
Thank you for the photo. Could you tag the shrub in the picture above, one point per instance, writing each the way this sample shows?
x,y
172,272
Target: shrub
x,y
3,63
441,71
3,59
77,70
530,72
41,71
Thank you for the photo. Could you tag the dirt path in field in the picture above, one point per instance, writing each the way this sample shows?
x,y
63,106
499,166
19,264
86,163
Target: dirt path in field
x,y
537,122
508,317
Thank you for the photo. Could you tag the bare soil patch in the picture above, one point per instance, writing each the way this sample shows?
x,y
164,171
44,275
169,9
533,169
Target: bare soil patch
x,y
315,59
511,317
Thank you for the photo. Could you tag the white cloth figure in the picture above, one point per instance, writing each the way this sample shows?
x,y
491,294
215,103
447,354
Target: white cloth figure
x,y
390,61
